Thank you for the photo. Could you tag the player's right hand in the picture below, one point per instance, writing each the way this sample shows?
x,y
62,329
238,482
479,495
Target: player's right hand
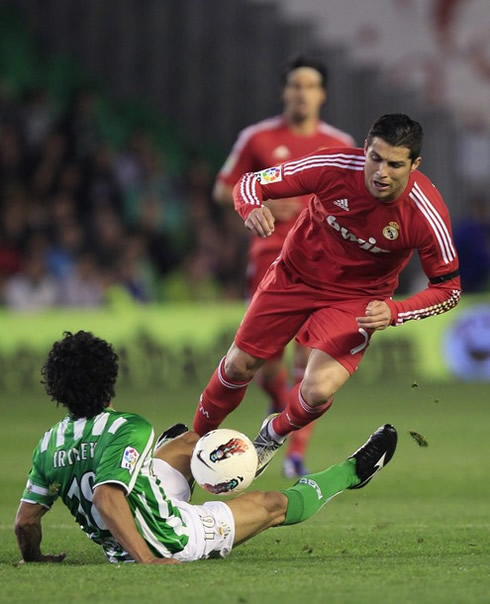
x,y
261,222
378,316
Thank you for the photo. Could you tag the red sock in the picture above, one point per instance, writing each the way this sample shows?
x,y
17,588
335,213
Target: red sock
x,y
277,388
298,441
220,397
298,413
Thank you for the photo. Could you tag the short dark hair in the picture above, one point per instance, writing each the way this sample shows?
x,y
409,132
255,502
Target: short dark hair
x,y
80,373
302,60
398,130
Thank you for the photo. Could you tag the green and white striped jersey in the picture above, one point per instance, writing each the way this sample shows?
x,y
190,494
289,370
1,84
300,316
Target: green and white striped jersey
x,y
76,455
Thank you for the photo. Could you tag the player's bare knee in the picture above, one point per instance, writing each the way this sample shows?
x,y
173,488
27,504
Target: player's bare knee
x,y
239,365
182,445
189,439
315,394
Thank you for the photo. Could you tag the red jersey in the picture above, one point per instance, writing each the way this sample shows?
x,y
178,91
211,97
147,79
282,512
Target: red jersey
x,y
350,244
270,142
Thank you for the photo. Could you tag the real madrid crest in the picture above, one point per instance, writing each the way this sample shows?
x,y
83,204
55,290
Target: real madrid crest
x,y
391,231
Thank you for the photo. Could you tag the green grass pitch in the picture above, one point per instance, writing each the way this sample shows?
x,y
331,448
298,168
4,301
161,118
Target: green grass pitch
x,y
420,532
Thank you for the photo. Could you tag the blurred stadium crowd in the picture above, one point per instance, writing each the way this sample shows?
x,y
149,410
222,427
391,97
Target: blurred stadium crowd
x,y
81,221
86,220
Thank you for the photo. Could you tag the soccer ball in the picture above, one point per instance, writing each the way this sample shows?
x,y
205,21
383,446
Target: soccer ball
x,y
224,462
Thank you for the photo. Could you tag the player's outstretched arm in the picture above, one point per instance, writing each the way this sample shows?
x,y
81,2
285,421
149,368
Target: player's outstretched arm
x,y
280,182
111,502
29,533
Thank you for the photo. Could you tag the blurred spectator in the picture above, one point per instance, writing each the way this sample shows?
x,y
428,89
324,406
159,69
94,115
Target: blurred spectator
x,y
217,229
14,223
10,262
102,188
155,197
38,118
128,164
48,165
63,209
474,156
135,271
472,239
80,125
70,182
83,286
31,289
8,105
107,237
195,283
12,162
68,246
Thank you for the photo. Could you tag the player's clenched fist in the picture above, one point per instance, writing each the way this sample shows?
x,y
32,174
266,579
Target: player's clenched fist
x,y
261,222
378,316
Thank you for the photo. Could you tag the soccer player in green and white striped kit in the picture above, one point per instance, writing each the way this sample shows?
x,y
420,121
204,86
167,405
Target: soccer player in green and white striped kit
x,y
134,501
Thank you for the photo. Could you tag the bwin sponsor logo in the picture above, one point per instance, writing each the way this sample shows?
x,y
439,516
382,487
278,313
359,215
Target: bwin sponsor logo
x,y
366,244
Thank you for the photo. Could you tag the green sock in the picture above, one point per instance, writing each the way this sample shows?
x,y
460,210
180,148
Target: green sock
x,y
313,491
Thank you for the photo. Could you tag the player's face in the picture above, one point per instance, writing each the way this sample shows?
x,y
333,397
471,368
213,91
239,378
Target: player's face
x,y
303,94
387,169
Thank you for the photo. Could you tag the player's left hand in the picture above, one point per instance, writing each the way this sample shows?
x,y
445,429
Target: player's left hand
x,y
377,317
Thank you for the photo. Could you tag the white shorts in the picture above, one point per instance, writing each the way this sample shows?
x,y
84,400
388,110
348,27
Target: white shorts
x,y
211,525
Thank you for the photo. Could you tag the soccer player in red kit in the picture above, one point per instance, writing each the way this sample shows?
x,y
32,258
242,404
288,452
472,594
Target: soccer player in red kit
x,y
337,272
295,133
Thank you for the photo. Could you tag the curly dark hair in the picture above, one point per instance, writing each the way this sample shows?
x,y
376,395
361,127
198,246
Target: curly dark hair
x,y
80,373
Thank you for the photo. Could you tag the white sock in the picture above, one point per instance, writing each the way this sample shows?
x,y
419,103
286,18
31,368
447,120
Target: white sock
x,y
274,435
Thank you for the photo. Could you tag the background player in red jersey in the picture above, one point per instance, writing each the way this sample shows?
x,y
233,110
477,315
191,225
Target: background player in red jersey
x,y
295,133
338,269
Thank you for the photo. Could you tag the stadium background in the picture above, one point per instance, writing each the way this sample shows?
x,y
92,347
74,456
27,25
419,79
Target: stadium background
x,y
114,118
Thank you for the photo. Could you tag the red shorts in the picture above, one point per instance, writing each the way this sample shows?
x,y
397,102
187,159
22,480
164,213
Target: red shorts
x,y
257,267
284,306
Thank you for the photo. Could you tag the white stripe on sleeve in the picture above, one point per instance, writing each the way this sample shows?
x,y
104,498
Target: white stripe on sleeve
x,y
321,164
340,157
33,488
436,222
